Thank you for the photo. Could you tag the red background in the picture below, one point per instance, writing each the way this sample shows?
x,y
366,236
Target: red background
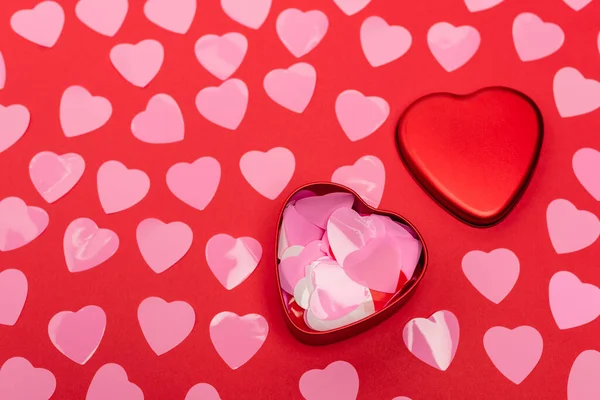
x,y
37,77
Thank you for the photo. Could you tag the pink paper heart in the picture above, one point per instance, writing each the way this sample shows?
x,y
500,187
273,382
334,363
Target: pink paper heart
x,y
111,382
493,274
481,5
78,334
339,380
434,340
360,115
2,71
318,209
162,245
584,378
351,7
202,391
570,229
574,94
586,165
19,380
514,352
300,32
173,15
237,339
53,176
221,55
250,13
81,113
572,302
535,39
292,88
383,43
366,177
120,188
577,4
195,184
292,268
224,105
268,172
232,260
14,121
20,224
138,63
452,46
161,122
13,293
103,16
165,325
41,25
86,246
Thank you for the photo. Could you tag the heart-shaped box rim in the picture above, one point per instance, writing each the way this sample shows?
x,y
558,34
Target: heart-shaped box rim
x,y
352,329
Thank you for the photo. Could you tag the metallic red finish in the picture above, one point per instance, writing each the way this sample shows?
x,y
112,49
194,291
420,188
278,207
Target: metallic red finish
x,y
473,154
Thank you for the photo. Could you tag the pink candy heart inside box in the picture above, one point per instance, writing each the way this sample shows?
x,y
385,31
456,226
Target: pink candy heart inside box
x,y
343,266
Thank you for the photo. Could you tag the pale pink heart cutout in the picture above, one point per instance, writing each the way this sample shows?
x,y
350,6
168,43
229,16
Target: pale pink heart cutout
x,y
20,224
202,391
366,177
2,71
162,245
383,43
238,338
138,63
268,172
250,13
586,165
584,378
535,39
53,176
13,293
434,340
81,113
318,209
481,5
570,229
514,352
14,121
339,380
292,88
572,302
102,16
161,122
224,105
165,325
300,32
574,94
19,380
221,55
173,15
119,187
232,260
359,115
86,246
577,4
493,274
453,46
292,268
297,230
111,382
77,335
41,25
195,183
351,7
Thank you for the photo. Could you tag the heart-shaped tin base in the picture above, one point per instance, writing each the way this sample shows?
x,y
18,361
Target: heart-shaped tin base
x,y
343,266
473,154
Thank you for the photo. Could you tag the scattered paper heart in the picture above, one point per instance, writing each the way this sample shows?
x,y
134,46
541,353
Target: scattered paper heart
x,y
339,380
138,63
351,7
195,183
250,13
535,39
221,55
366,177
574,94
232,260
481,5
111,382
292,88
19,380
360,115
493,274
119,187
86,246
81,113
173,15
103,16
20,224
13,293
453,46
41,25
383,43
577,5
268,172
586,165
584,378
53,176
14,121
161,244
300,32
572,302
224,105
202,391
570,229
161,122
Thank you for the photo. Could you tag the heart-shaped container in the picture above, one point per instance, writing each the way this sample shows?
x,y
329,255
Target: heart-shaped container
x,y
321,338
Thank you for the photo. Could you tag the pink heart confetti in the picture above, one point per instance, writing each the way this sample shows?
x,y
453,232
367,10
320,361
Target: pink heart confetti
x,y
86,246
360,115
19,380
20,224
53,176
138,63
195,184
535,39
292,266
224,105
165,325
81,113
103,16
572,302
221,55
173,15
318,209
41,25
292,88
383,43
14,121
13,293
586,165
120,188
2,71
202,391
232,260
111,382
339,380
268,172
452,46
161,244
584,378
481,5
366,177
237,339
577,4
300,32
351,7
570,229
161,122
78,334
574,94
493,274
250,13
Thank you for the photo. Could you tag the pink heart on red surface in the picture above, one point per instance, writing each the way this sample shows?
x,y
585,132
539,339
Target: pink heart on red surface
x,y
360,115
574,94
339,380
19,380
515,352
535,39
232,260
20,224
119,187
366,177
586,165
351,7
493,274
237,339
221,55
111,382
570,229
250,13
13,293
480,5
572,302
165,325
224,105
53,176
138,63
300,32
292,88
103,16
268,172
78,334
14,121
383,43
202,391
161,122
434,340
584,378
41,25
195,183
453,46
80,112
162,245
577,4
173,15
86,246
